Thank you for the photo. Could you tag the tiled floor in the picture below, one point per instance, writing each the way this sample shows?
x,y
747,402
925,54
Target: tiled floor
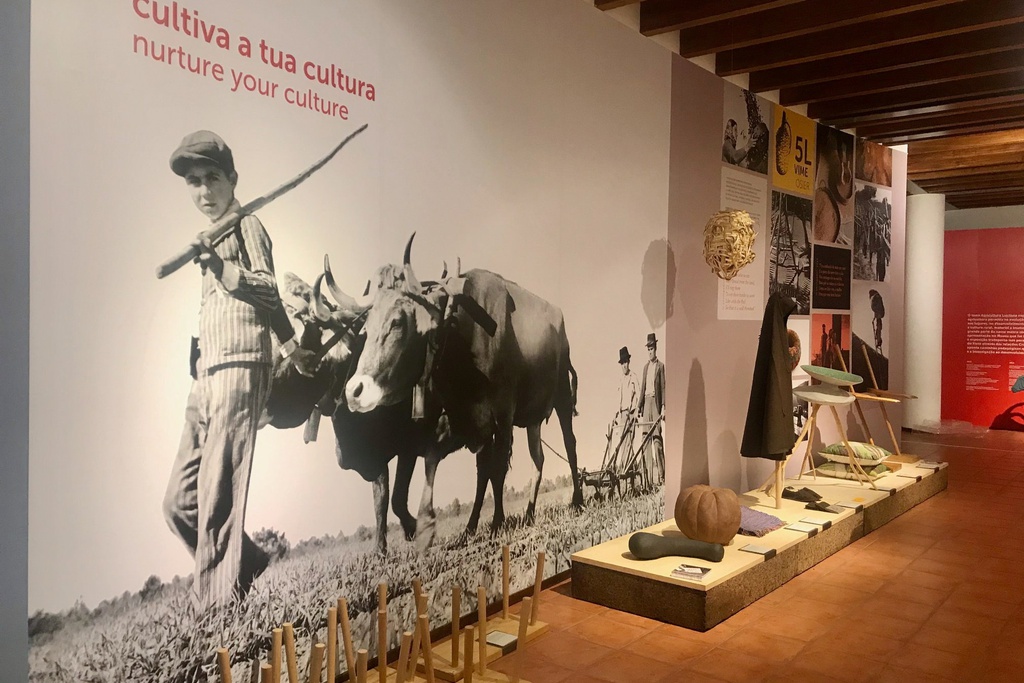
x,y
936,595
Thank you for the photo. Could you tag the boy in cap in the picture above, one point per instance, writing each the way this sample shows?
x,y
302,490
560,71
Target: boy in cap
x,y
206,496
652,403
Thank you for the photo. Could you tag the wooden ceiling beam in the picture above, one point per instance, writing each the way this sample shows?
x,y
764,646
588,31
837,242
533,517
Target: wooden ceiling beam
x,y
919,96
1013,139
968,43
1003,180
936,22
912,113
912,124
927,74
663,16
791,22
971,171
1009,201
907,138
613,4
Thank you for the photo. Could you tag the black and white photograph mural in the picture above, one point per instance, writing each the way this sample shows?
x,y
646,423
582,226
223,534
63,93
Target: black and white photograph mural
x,y
353,368
745,134
872,248
871,331
789,265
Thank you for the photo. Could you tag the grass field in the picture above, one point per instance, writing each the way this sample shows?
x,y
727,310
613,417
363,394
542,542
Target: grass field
x,y
157,634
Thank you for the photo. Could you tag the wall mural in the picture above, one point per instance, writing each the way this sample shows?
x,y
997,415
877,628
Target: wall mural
x,y
441,384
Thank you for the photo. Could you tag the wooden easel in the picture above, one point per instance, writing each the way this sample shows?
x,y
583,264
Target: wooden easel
x,y
883,396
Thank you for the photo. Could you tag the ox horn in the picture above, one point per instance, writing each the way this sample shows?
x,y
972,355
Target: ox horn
x,y
444,271
408,250
411,282
345,302
320,310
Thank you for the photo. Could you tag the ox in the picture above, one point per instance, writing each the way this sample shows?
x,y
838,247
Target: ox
x,y
497,358
364,443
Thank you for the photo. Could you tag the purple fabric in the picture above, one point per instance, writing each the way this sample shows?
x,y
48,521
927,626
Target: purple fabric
x,y
756,523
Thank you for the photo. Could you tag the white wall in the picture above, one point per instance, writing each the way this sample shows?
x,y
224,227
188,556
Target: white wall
x,y
993,217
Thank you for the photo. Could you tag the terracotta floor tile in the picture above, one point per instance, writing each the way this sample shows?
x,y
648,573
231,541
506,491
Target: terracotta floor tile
x,y
887,627
561,616
845,578
929,580
927,660
891,606
627,667
835,595
568,649
976,605
949,641
815,609
793,626
734,667
713,637
668,648
953,619
855,639
773,648
604,631
631,619
792,672
687,676
901,590
535,668
840,663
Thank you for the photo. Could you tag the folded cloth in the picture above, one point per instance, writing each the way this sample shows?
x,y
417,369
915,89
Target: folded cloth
x,y
757,523
804,495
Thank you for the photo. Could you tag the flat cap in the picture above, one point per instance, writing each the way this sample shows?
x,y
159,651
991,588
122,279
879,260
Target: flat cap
x,y
202,146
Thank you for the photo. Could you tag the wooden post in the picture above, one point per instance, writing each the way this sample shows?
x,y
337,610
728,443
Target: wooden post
x,y
504,581
289,654
537,583
403,657
266,673
275,655
417,588
332,644
857,469
524,624
481,628
346,637
316,662
428,650
382,632
361,665
467,662
456,617
224,664
414,652
780,467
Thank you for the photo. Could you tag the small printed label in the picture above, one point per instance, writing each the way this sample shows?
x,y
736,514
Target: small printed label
x,y
808,529
768,553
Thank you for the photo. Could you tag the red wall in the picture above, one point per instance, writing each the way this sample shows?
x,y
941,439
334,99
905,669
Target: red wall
x,y
983,276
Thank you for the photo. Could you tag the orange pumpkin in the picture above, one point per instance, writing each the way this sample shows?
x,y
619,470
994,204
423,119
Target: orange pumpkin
x,y
707,513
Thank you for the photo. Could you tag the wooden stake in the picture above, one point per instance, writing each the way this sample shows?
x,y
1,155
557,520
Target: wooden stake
x,y
403,657
504,581
316,662
414,652
481,628
524,624
417,589
456,617
361,665
537,584
467,663
332,643
346,637
224,664
382,645
428,650
289,653
266,673
275,655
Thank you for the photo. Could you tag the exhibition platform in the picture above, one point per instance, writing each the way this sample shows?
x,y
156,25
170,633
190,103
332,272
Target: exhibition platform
x,y
609,575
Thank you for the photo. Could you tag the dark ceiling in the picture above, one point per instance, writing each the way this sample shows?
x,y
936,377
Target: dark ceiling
x,y
944,76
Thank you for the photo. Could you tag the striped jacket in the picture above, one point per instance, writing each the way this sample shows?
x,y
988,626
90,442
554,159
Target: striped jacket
x,y
234,313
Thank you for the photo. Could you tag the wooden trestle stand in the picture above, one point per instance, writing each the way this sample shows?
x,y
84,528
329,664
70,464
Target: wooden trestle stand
x,y
419,660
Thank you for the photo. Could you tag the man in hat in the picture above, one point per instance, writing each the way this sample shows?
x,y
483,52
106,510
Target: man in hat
x,y
652,403
629,391
206,496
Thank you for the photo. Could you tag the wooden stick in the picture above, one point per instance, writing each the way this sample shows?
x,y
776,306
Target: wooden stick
x,y
456,617
346,637
504,581
467,663
275,655
361,665
857,469
382,645
332,643
417,588
414,652
224,664
780,467
316,662
524,625
266,673
428,650
289,653
403,657
481,628
382,595
537,583
871,370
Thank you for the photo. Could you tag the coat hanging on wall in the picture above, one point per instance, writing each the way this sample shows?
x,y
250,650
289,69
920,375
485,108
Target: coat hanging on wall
x,y
769,429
